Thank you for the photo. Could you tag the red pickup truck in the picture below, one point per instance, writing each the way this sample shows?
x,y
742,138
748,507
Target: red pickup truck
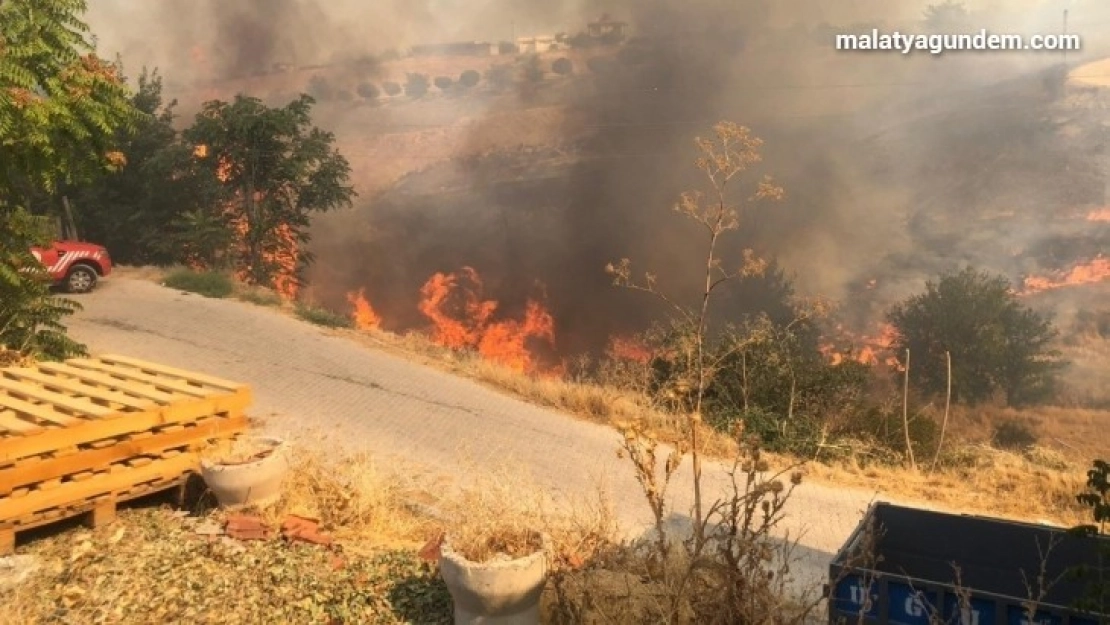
x,y
74,265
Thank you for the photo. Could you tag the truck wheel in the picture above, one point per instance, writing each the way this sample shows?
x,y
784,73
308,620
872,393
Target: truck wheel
x,y
80,279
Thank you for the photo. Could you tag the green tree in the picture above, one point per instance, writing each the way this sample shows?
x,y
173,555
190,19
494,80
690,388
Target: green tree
x,y
469,79
276,170
416,85
499,76
368,91
996,343
531,70
444,83
59,108
562,66
129,210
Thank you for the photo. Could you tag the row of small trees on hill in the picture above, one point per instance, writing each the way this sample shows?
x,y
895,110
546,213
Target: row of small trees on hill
x,y
417,85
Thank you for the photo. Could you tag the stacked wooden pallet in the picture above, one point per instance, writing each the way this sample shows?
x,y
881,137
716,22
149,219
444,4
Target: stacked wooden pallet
x,y
81,436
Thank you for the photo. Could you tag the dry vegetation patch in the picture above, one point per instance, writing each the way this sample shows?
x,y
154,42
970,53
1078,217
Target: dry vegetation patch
x,y
158,565
1027,481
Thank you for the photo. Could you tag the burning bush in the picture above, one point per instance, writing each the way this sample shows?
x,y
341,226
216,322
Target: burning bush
x,y
274,170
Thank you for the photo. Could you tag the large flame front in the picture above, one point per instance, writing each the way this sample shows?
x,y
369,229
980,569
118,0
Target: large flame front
x,y
1084,273
462,319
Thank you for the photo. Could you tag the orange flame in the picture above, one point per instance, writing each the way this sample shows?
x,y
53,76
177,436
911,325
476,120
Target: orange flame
x,y
461,319
224,168
628,349
1101,214
363,314
876,348
1084,273
281,248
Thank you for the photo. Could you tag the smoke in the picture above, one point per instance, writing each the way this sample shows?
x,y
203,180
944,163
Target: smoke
x,y
895,166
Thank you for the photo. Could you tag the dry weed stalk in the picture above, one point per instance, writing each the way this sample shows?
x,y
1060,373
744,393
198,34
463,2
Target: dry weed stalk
x,y
737,570
727,571
733,152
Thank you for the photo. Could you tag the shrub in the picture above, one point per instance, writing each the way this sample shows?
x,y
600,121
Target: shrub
x,y
391,88
368,91
532,70
562,66
500,76
207,283
322,316
416,85
469,79
996,343
882,425
443,83
1014,435
321,88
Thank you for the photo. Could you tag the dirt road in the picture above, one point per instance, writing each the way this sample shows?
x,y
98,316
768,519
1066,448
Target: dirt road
x,y
330,392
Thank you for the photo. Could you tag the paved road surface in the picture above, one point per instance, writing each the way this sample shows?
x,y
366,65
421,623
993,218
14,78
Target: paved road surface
x,y
307,382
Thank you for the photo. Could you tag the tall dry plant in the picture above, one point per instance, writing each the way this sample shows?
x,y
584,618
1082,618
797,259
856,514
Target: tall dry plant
x,y
733,569
723,160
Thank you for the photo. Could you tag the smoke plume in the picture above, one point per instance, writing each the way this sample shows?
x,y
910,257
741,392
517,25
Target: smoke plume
x,y
895,166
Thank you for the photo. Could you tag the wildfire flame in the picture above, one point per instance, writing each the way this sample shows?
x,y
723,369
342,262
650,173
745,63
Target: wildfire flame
x,y
1085,273
363,314
629,349
281,249
875,348
462,319
1101,214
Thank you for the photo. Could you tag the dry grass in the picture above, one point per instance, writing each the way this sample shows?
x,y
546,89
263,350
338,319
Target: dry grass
x,y
504,513
1038,485
354,498
153,566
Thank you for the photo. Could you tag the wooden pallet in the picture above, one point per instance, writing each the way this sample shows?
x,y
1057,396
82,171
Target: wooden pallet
x,y
53,408
81,436
102,495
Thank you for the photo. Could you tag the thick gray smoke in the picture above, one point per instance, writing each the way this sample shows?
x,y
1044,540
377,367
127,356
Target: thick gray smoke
x,y
895,167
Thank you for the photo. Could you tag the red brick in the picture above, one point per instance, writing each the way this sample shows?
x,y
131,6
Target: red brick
x,y
430,551
310,535
294,524
242,522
